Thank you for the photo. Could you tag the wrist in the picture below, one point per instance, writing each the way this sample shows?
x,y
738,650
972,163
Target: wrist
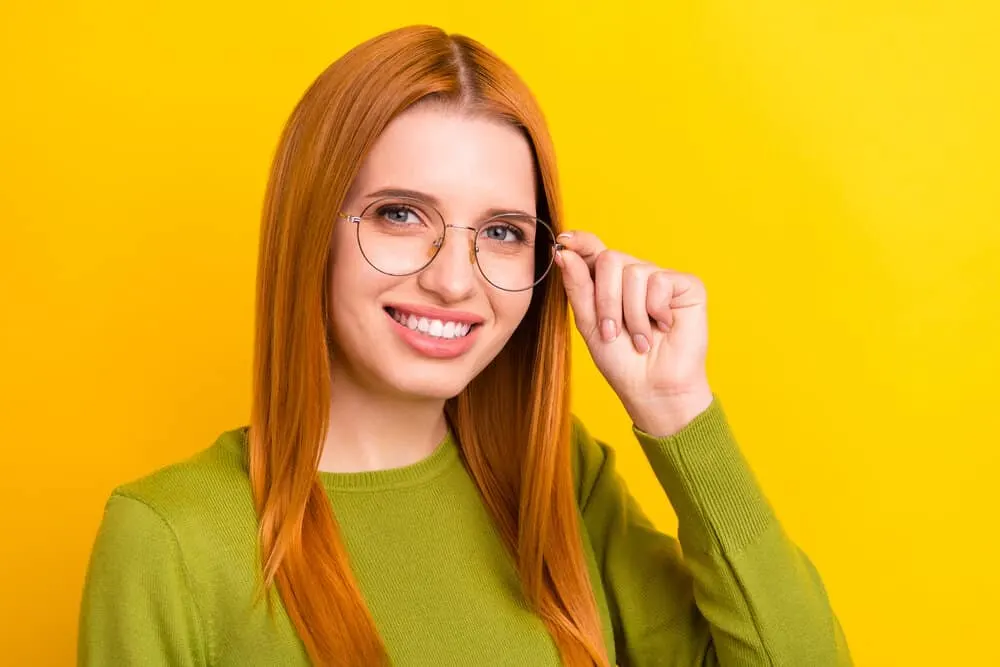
x,y
666,416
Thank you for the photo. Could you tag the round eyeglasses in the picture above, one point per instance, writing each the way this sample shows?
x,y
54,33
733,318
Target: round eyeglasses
x,y
401,236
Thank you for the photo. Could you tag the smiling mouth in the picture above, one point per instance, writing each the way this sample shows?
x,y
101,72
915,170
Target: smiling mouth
x,y
432,328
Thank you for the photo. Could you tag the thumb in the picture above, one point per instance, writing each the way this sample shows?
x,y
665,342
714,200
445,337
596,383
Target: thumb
x,y
579,289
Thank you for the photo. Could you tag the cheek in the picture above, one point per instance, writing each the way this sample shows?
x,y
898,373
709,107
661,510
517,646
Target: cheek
x,y
351,286
350,276
510,309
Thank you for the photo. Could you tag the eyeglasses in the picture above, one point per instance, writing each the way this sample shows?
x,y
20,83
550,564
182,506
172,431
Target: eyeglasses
x,y
400,236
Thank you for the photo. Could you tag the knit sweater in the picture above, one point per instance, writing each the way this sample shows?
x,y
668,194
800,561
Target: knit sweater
x,y
172,573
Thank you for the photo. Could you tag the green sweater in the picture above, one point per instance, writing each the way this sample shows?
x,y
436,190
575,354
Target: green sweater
x,y
172,573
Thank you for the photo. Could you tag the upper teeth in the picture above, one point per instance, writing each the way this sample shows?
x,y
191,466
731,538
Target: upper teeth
x,y
435,328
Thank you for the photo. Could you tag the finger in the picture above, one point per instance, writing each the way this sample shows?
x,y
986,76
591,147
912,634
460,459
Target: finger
x,y
579,290
585,244
670,291
659,293
635,280
608,268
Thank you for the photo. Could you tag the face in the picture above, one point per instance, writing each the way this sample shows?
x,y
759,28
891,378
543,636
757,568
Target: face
x,y
468,168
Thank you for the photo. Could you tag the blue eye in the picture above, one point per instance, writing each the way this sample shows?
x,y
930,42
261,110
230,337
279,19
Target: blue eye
x,y
400,215
503,233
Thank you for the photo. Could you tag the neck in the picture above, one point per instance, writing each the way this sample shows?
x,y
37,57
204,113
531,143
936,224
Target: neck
x,y
373,431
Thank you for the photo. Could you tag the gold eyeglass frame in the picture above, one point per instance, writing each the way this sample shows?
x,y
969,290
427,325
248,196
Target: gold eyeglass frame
x,y
439,242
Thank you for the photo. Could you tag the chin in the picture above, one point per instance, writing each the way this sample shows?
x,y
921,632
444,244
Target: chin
x,y
415,377
431,386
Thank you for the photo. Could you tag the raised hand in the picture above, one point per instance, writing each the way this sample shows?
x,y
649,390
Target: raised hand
x,y
646,328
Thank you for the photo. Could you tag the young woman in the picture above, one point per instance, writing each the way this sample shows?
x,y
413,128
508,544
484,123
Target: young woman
x,y
411,488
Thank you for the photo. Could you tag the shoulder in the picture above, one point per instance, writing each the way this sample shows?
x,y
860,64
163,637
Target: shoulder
x,y
170,552
191,498
184,485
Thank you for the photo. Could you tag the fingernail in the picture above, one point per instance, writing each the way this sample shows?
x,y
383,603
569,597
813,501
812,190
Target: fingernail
x,y
565,235
558,258
641,343
662,326
608,330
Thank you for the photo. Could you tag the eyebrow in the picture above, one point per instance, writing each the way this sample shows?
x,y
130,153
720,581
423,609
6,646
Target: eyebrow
x,y
435,202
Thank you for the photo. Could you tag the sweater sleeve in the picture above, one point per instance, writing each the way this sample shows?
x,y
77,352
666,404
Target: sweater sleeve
x,y
138,608
742,594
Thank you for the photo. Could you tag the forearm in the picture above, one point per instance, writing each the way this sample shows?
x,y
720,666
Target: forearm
x,y
763,600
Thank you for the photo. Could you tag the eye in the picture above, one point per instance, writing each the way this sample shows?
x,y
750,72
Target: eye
x,y
398,214
503,233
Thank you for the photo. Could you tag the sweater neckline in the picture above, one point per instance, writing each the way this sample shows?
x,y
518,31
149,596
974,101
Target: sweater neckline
x,y
443,457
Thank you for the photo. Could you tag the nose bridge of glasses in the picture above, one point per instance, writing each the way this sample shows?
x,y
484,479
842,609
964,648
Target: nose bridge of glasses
x,y
473,247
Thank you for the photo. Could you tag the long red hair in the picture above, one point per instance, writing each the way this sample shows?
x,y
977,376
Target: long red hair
x,y
521,466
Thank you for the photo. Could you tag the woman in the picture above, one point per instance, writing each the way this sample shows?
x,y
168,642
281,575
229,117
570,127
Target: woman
x,y
411,488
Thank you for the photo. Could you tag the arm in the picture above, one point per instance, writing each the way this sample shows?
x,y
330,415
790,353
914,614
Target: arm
x,y
741,594
138,608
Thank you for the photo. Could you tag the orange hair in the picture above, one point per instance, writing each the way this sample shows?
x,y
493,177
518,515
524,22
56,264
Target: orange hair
x,y
521,466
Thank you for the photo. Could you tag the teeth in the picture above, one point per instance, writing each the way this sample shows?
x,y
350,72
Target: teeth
x,y
434,328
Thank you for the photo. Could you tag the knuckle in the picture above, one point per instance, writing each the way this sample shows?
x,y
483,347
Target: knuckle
x,y
693,283
660,280
605,260
634,273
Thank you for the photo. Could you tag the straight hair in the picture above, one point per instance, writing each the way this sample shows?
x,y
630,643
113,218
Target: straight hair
x,y
521,464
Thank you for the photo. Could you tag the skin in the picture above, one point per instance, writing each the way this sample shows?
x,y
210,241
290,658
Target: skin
x,y
645,326
388,400
646,329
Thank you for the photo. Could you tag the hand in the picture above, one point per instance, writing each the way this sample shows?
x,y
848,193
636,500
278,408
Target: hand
x,y
646,329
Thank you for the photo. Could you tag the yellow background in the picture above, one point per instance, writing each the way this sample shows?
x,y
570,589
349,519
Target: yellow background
x,y
829,169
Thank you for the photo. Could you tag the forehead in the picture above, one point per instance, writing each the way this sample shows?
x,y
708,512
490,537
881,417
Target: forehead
x,y
468,163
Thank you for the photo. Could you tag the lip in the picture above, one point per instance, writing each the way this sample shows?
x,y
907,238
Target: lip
x,y
432,313
434,348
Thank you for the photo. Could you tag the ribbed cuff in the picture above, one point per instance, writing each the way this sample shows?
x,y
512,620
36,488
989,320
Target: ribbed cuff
x,y
718,502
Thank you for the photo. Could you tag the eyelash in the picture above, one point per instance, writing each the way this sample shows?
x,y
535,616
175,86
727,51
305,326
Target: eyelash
x,y
396,208
508,227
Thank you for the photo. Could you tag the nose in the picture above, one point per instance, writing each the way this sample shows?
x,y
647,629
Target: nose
x,y
452,274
